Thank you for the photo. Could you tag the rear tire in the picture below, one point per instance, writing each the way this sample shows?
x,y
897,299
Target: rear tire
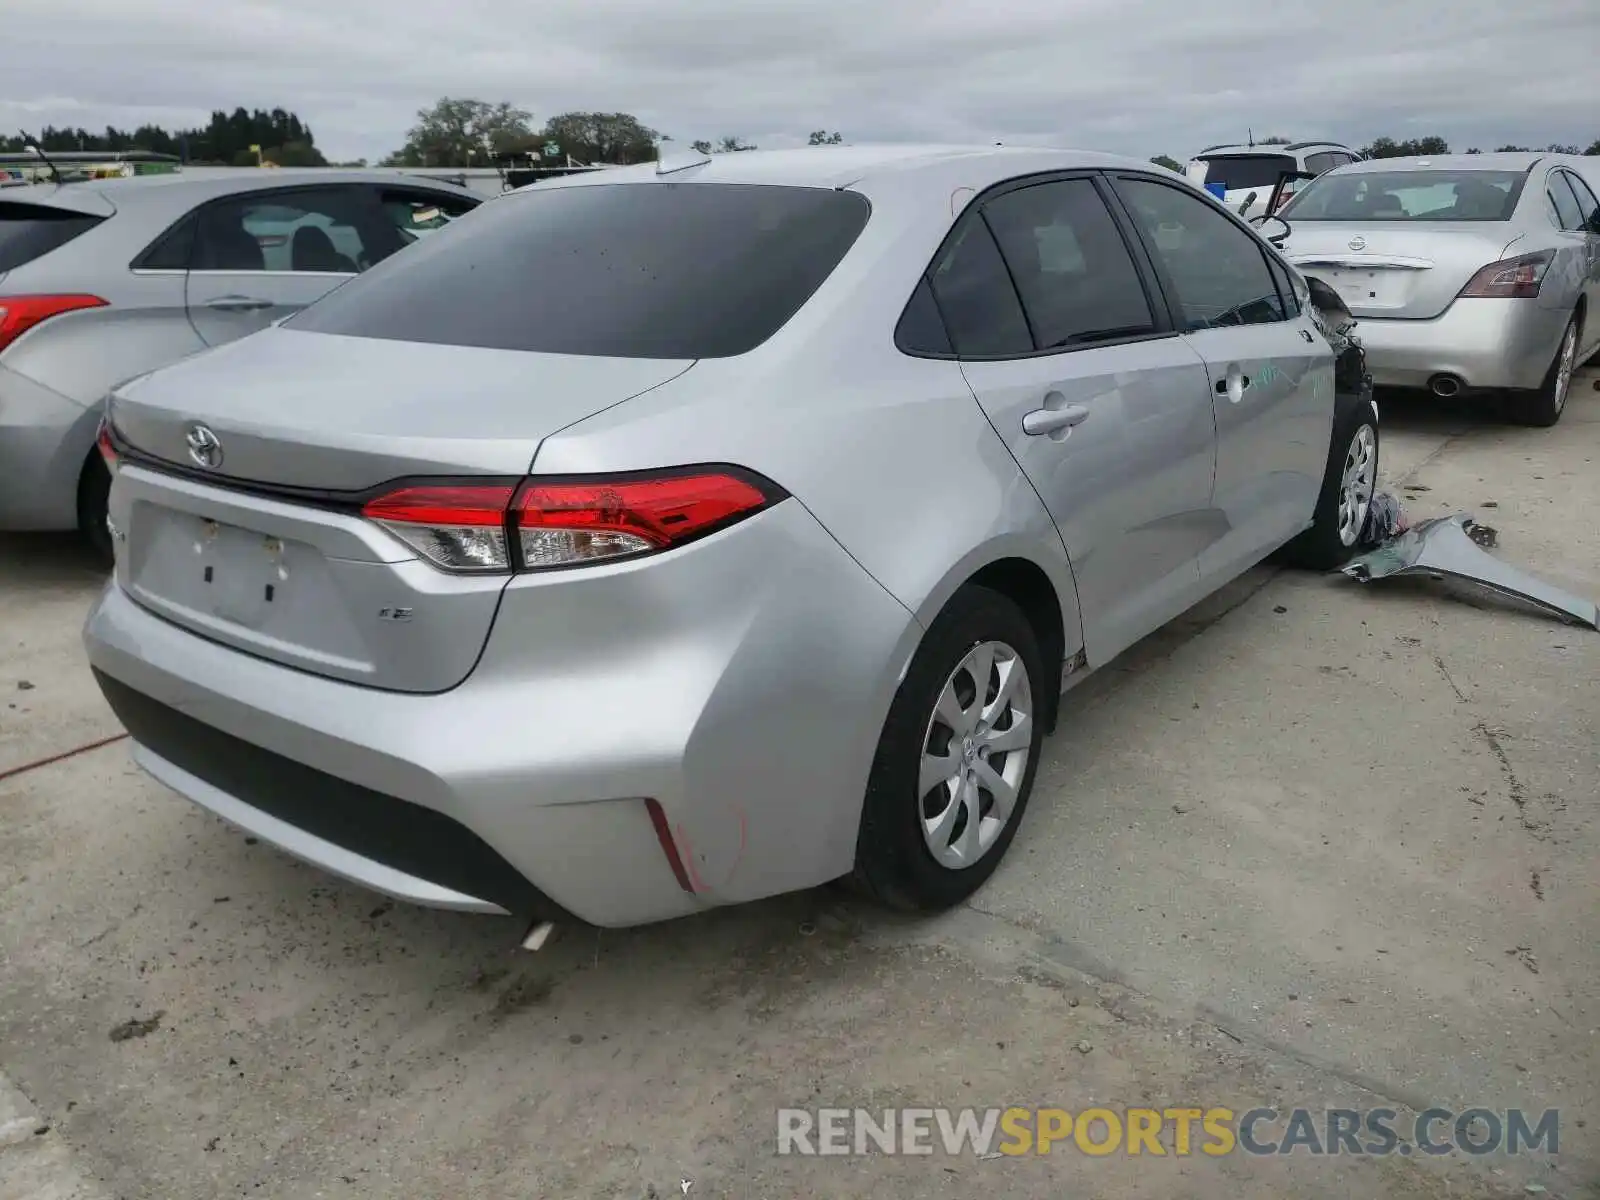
x,y
953,773
1348,484
94,490
1543,408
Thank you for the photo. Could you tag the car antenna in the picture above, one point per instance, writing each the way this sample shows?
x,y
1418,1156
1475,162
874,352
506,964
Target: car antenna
x,y
1251,135
34,148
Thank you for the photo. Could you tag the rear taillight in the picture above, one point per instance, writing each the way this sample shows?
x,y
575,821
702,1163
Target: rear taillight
x,y
1288,195
460,527
18,314
1515,278
108,449
542,524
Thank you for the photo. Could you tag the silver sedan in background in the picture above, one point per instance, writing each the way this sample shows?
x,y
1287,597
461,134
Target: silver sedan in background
x,y
103,280
1466,272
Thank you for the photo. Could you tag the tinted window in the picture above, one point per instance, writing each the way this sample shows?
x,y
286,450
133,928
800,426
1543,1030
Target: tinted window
x,y
1326,161
323,230
1218,270
1586,202
976,296
1070,265
921,329
170,251
1568,214
417,214
30,231
1285,282
1236,171
651,270
1408,196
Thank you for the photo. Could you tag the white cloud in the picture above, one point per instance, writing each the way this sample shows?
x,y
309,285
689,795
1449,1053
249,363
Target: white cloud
x,y
1134,76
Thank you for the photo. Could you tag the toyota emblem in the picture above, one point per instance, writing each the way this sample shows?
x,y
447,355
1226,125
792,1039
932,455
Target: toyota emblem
x,y
204,448
1358,242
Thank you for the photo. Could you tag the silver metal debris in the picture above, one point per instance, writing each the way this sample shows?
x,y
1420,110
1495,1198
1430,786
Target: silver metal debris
x,y
1444,547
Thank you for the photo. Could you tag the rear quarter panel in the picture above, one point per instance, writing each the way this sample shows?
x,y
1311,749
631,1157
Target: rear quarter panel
x,y
891,453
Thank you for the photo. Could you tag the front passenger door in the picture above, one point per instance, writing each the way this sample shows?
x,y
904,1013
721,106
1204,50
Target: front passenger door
x,y
263,255
1271,371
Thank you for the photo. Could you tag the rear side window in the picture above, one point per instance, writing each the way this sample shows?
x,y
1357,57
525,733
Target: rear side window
x,y
921,329
327,231
1237,171
975,293
30,231
1589,206
1071,266
648,270
1568,214
417,214
170,251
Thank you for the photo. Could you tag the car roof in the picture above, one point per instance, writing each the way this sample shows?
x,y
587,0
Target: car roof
x,y
1271,150
848,166
1510,161
182,190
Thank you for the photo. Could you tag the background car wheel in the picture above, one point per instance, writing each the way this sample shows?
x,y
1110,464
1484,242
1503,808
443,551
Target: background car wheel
x,y
94,488
1348,486
1544,407
957,756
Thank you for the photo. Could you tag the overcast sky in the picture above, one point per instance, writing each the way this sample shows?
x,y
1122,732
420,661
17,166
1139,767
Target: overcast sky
x,y
1130,76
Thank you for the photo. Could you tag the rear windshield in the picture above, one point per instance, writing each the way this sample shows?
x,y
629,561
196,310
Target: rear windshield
x,y
30,231
1409,196
645,270
1236,171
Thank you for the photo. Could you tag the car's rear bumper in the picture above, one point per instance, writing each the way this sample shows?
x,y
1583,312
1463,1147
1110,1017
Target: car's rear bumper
x,y
44,439
740,683
1481,343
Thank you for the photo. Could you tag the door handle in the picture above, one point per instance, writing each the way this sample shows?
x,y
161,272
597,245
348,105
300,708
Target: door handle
x,y
238,304
1049,420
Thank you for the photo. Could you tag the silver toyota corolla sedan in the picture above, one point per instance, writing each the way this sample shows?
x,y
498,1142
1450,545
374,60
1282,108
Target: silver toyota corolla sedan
x,y
1467,273
104,279
696,532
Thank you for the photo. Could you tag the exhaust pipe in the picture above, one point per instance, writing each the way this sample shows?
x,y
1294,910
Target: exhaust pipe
x,y
1444,386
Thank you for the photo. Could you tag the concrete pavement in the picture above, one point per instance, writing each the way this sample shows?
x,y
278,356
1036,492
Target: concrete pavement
x,y
1314,843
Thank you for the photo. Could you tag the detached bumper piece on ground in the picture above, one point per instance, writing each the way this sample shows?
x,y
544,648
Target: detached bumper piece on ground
x,y
1444,547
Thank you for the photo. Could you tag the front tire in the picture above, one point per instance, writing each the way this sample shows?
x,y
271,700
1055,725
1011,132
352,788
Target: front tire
x,y
1348,485
956,758
1543,408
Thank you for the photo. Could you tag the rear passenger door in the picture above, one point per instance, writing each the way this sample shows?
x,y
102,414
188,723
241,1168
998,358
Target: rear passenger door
x,y
1066,345
263,255
1270,372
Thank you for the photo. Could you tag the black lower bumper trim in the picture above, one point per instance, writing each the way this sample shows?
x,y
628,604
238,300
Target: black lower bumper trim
x,y
397,833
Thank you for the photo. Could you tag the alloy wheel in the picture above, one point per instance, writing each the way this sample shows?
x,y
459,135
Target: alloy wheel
x,y
975,754
1357,484
1565,365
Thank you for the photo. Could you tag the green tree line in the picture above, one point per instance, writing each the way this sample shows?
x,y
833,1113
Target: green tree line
x,y
227,140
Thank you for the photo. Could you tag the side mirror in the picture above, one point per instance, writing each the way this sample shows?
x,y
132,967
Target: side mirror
x,y
1248,201
1275,229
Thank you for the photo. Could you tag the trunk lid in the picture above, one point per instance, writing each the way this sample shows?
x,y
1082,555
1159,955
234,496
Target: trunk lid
x,y
268,553
1409,270
318,410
